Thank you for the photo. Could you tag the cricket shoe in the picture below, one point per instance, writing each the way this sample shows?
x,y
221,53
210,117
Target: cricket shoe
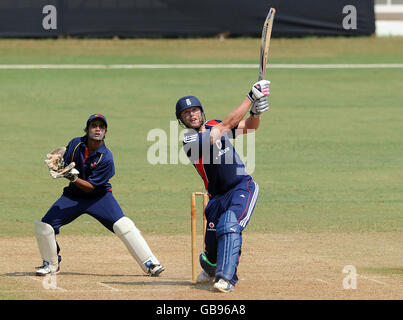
x,y
155,269
47,268
223,286
203,277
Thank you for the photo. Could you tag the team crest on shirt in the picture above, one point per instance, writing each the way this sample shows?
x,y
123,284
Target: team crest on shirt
x,y
221,151
218,144
93,165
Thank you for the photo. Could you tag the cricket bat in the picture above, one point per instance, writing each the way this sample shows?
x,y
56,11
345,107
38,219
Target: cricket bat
x,y
265,42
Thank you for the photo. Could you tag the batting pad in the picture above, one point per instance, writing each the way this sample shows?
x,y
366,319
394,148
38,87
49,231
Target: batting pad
x,y
229,244
45,236
126,230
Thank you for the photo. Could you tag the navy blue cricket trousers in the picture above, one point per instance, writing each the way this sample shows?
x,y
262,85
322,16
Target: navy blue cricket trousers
x,y
66,209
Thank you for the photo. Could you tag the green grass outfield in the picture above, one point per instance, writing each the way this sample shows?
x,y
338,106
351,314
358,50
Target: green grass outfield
x,y
329,155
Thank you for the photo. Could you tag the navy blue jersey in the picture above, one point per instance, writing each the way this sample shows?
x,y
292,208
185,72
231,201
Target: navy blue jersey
x,y
96,168
218,164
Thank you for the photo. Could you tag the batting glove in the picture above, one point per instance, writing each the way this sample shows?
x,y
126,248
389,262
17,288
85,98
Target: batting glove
x,y
259,90
259,106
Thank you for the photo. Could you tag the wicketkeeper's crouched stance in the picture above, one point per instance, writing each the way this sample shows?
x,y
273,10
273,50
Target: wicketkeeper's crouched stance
x,y
89,165
232,191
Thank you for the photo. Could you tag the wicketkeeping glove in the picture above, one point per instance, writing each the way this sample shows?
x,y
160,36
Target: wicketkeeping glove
x,y
259,106
259,90
55,160
68,172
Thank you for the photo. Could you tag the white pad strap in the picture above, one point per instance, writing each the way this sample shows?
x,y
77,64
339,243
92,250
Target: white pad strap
x,y
126,230
45,236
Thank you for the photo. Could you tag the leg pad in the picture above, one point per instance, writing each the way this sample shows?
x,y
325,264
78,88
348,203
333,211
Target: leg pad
x,y
126,230
229,245
45,236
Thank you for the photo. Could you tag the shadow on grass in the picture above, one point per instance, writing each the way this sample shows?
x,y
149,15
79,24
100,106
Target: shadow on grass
x,y
163,282
30,274
153,281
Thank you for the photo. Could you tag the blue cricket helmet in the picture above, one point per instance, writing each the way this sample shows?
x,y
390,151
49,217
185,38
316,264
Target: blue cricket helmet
x,y
185,103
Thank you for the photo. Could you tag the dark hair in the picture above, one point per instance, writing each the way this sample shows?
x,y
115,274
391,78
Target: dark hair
x,y
86,129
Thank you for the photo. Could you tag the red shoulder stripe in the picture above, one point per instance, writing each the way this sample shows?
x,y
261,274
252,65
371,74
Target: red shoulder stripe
x,y
200,169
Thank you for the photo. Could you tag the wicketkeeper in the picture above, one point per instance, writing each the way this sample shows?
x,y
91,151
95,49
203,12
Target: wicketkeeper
x,y
232,191
88,165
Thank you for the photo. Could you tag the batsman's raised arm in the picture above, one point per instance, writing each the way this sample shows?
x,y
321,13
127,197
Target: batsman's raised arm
x,y
256,101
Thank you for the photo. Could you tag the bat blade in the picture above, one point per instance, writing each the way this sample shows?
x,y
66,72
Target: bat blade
x,y
265,42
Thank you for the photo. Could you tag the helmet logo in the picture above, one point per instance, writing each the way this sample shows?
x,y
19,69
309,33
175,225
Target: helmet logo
x,y
188,102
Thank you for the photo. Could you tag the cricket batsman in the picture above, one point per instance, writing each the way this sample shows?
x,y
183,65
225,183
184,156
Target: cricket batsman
x,y
232,191
88,165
